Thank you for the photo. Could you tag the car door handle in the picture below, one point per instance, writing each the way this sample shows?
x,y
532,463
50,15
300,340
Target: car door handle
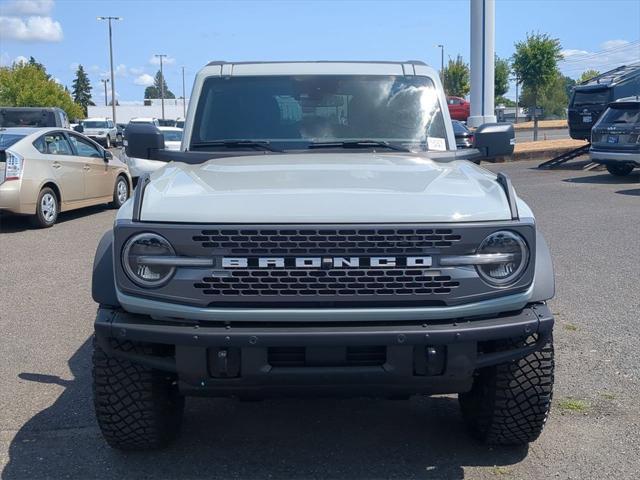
x,y
87,167
56,165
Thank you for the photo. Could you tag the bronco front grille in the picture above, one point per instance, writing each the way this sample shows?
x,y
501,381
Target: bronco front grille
x,y
309,282
285,241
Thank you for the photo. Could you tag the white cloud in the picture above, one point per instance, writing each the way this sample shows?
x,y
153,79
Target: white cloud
x,y
94,69
144,80
136,70
120,70
20,59
165,60
611,54
27,7
57,80
31,29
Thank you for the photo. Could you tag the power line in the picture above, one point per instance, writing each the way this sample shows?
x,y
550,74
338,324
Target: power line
x,y
603,53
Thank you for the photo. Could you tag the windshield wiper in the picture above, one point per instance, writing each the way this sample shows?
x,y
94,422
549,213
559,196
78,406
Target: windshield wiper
x,y
359,144
259,144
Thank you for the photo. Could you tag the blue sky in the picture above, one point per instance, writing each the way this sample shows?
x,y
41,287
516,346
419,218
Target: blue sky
x,y
62,33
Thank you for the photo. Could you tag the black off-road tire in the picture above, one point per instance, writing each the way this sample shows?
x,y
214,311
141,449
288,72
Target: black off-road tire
x,y
509,403
620,170
137,407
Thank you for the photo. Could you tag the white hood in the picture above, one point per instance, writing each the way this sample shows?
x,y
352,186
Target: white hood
x,y
324,188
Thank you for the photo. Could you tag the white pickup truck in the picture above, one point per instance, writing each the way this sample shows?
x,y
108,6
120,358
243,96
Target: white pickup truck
x,y
319,233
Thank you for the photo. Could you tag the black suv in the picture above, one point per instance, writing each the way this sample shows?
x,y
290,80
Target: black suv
x,y
615,138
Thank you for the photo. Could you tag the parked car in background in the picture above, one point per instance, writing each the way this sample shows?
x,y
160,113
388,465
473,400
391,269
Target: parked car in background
x,y
149,120
464,136
172,137
120,135
459,108
590,99
180,122
101,130
33,117
615,138
45,171
166,122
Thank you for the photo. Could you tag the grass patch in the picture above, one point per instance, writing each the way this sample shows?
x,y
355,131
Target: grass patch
x,y
496,470
571,327
608,396
573,405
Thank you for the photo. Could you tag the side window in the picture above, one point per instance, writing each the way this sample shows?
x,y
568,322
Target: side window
x,y
40,145
84,147
55,143
109,124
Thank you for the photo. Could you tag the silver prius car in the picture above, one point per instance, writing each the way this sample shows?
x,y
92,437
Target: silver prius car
x,y
44,171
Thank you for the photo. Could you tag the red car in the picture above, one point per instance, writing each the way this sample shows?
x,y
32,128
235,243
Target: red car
x,y
459,108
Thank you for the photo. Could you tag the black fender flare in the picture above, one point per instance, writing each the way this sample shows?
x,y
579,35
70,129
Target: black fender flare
x,y
103,287
544,284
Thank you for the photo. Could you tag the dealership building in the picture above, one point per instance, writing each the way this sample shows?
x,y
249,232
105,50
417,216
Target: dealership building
x,y
173,108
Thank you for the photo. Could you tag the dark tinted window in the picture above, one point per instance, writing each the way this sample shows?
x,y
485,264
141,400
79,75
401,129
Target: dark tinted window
x,y
591,97
293,111
94,124
8,139
27,118
622,114
459,128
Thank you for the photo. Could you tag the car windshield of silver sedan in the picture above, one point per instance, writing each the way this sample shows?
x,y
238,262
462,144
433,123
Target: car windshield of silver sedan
x,y
320,111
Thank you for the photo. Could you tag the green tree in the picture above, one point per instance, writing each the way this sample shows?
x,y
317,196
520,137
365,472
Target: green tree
x,y
552,99
588,75
34,63
569,83
501,76
154,91
82,89
28,85
535,63
507,102
456,78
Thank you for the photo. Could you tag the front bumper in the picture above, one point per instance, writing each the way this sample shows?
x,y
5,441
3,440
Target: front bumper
x,y
237,359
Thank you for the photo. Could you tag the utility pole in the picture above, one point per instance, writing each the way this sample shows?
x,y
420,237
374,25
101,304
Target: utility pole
x,y
517,106
441,47
184,99
161,56
113,85
104,82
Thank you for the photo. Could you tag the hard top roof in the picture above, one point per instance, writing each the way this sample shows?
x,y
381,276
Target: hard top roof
x,y
612,77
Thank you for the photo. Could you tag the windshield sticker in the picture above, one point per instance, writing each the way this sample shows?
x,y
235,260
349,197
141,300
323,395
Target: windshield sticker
x,y
435,143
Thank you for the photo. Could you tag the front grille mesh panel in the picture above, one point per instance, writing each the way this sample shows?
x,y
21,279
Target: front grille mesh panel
x,y
370,241
352,282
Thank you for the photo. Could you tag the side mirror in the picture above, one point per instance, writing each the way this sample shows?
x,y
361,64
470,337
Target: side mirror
x,y
107,155
141,140
494,140
79,128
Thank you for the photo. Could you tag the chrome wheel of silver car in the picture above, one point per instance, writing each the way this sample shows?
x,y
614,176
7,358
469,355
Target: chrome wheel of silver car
x,y
123,191
120,192
48,207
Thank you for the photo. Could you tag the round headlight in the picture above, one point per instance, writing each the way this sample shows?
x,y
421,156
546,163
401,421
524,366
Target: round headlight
x,y
510,267
139,259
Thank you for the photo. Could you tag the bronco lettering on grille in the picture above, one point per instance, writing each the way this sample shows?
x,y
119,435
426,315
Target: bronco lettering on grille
x,y
325,262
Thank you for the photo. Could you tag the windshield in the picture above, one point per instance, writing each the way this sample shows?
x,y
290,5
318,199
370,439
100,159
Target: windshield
x,y
590,97
172,136
8,139
94,124
622,114
292,112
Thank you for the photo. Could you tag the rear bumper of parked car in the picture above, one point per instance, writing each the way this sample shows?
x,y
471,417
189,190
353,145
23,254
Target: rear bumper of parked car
x,y
12,198
330,357
615,157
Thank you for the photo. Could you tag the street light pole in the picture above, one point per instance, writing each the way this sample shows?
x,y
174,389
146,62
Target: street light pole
x,y
441,47
104,82
184,98
161,56
113,85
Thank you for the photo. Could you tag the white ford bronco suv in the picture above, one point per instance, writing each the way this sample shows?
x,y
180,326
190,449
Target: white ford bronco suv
x,y
318,233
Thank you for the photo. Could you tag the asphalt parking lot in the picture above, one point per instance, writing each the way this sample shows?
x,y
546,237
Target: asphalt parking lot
x,y
47,428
